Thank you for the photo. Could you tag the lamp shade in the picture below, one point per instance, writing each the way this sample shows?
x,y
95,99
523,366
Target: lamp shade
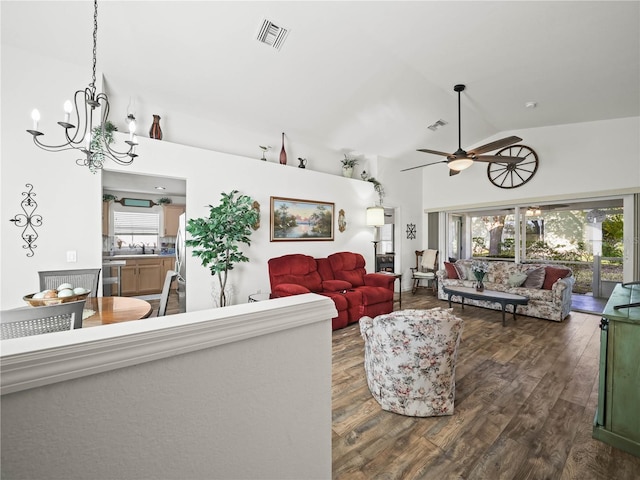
x,y
375,216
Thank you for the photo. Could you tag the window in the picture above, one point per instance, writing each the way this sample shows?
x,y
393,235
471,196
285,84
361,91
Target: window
x,y
133,228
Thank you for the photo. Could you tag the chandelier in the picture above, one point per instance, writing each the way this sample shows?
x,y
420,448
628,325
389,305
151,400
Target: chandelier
x,y
93,141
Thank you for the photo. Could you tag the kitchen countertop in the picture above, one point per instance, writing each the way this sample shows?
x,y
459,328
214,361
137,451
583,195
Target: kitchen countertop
x,y
146,255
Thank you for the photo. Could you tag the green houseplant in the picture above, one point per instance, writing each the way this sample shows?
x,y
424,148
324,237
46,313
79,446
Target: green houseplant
x,y
98,136
347,165
216,239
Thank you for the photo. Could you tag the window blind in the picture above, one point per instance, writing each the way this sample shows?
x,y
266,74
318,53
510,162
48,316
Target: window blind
x,y
134,223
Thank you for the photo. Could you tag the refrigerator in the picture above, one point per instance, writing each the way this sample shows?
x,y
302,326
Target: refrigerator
x,y
181,263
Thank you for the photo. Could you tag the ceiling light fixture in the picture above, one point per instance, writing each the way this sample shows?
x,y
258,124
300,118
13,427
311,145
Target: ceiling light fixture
x,y
160,188
92,141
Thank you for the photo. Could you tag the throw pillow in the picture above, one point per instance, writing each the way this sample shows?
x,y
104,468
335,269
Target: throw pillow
x,y
516,279
535,278
451,270
460,270
552,275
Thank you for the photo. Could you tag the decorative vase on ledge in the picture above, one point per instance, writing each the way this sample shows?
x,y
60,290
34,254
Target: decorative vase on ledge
x,y
347,172
156,131
283,153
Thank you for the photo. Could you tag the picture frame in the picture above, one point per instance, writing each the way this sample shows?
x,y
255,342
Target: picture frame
x,y
294,219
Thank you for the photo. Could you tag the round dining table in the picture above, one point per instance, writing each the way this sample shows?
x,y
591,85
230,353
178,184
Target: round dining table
x,y
114,310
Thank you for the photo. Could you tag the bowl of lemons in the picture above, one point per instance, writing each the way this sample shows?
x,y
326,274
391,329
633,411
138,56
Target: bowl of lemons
x,y
63,294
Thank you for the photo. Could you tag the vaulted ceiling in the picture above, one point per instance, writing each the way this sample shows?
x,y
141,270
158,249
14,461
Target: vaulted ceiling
x,y
369,76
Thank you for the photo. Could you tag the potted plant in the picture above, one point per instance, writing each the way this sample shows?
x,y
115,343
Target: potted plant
x,y
98,136
216,238
347,166
377,186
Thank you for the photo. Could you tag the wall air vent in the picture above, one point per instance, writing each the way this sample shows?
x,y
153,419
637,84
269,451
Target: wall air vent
x,y
271,34
437,125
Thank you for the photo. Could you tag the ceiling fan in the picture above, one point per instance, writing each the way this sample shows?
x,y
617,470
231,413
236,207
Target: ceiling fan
x,y
461,159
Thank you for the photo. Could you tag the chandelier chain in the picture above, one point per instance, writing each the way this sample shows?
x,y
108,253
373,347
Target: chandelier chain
x,y
95,43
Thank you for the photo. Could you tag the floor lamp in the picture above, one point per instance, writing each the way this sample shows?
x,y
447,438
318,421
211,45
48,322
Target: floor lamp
x,y
375,219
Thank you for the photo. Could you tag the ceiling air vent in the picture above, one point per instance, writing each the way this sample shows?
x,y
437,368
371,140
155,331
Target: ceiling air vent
x,y
437,125
271,34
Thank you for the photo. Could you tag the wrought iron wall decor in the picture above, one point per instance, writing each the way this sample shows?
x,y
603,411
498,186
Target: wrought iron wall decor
x,y
411,231
28,221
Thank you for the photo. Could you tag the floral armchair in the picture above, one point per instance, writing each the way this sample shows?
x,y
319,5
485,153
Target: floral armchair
x,y
410,360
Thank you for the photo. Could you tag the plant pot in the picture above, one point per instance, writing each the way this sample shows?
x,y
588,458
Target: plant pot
x,y
215,294
347,172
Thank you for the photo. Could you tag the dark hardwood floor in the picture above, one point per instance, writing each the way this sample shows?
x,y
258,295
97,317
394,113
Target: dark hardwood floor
x,y
526,395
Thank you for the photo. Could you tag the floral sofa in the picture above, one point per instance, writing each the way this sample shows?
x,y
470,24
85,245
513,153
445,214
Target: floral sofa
x,y
341,277
410,360
547,286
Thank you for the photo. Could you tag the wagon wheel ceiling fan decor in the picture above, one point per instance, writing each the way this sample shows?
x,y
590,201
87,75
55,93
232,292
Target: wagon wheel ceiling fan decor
x,y
462,159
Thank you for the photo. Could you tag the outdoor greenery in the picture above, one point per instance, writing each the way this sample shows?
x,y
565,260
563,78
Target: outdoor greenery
x,y
216,239
555,236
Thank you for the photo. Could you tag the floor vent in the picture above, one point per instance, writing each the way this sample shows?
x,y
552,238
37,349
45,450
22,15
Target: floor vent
x,y
271,34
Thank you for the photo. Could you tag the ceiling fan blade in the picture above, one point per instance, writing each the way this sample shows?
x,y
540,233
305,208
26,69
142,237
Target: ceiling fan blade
x,y
453,172
435,152
494,145
498,159
425,165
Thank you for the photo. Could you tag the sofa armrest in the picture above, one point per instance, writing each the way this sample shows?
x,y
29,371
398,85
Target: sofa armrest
x,y
335,285
379,280
562,288
442,274
288,289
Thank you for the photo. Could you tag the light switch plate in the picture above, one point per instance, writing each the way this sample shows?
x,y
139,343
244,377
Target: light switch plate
x,y
72,256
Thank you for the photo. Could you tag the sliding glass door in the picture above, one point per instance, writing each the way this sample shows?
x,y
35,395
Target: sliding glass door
x,y
588,236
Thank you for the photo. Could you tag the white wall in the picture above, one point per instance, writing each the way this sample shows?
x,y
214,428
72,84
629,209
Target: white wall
x,y
580,160
70,197
242,392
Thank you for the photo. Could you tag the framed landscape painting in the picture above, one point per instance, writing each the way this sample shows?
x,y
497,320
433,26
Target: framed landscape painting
x,y
297,220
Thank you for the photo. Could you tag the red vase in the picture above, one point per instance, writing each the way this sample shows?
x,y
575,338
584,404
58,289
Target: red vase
x,y
156,131
283,153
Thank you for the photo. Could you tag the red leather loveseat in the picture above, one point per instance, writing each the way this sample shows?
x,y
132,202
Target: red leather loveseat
x,y
341,277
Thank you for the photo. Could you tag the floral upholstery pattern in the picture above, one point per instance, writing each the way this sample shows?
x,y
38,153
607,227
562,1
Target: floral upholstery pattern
x,y
554,304
410,360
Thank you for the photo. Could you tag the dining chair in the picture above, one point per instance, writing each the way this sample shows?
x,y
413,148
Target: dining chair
x,y
166,288
86,278
28,321
425,269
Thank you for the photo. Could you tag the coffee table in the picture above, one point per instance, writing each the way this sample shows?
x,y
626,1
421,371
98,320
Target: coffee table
x,y
502,298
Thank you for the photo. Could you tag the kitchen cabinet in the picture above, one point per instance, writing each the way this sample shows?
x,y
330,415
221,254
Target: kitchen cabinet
x,y
105,218
168,263
171,214
142,276
617,420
